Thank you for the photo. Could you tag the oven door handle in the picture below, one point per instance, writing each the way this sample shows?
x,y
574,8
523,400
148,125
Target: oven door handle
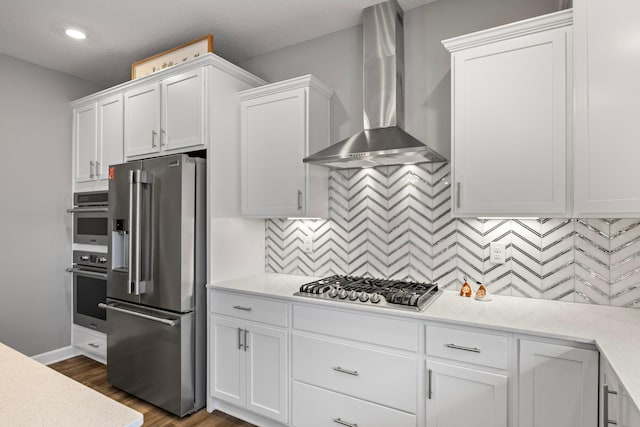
x,y
87,273
88,210
142,315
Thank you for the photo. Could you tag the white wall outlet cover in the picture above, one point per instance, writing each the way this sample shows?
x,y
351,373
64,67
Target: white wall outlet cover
x,y
307,244
497,252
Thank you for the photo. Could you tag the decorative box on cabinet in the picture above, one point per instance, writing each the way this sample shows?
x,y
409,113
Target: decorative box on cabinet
x,y
607,67
97,136
558,385
281,123
166,115
510,91
248,353
466,369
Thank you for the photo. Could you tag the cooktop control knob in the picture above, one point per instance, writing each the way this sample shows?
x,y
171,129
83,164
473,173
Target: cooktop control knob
x,y
364,297
102,260
375,298
84,258
353,295
333,292
342,294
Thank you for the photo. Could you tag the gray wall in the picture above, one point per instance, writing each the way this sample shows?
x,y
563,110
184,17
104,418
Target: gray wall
x,y
336,59
35,191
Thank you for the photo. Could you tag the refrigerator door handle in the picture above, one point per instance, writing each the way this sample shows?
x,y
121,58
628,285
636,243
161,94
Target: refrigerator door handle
x,y
131,185
142,315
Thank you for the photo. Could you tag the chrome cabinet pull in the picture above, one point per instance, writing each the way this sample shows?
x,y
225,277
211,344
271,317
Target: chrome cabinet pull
x,y
429,393
246,339
460,347
93,345
239,338
154,135
345,371
458,195
299,200
239,307
605,405
98,170
163,137
344,423
92,169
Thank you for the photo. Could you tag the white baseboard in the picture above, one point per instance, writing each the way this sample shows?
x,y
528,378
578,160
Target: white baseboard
x,y
57,355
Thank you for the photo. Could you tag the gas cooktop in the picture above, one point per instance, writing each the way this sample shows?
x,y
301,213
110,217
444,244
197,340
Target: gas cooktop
x,y
381,292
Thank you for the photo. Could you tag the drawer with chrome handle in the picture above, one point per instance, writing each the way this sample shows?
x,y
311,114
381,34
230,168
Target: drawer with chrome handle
x,y
318,407
356,370
247,307
465,345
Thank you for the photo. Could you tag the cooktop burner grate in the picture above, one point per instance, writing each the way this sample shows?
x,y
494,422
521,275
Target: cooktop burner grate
x,y
364,290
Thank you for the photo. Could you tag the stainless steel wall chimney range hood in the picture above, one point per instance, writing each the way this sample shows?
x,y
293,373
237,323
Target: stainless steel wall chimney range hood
x,y
383,140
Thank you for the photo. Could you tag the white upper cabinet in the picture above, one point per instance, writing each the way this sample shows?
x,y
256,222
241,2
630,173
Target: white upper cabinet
x,y
282,123
98,138
510,87
607,66
165,115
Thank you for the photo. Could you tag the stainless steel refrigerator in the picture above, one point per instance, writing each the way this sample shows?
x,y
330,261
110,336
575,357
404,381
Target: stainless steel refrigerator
x,y
156,281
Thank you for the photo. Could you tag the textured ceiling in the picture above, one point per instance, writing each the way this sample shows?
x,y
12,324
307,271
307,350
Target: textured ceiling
x,y
120,32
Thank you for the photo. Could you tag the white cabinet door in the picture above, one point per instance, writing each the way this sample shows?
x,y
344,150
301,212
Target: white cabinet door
x,y
273,140
110,134
459,396
142,120
267,376
607,91
227,369
183,111
509,112
558,386
85,132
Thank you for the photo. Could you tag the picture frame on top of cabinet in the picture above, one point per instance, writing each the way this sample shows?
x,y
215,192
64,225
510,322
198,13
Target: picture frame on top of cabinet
x,y
171,57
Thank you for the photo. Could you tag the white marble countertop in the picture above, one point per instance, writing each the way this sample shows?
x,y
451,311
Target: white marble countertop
x,y
32,394
615,331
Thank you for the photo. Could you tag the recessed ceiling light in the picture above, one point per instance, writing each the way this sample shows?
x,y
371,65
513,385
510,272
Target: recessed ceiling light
x,y
75,34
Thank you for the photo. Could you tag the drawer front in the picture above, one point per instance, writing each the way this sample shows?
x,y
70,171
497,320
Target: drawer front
x,y
377,376
316,407
468,346
387,331
90,343
249,308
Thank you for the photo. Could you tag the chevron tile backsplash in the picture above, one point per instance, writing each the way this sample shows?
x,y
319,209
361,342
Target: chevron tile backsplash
x,y
396,222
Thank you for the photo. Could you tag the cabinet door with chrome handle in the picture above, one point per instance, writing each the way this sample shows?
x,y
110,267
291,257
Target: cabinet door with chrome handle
x,y
448,384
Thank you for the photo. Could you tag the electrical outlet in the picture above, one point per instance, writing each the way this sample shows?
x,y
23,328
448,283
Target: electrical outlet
x,y
497,250
307,244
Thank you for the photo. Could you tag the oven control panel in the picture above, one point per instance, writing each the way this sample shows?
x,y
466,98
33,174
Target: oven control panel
x,y
90,259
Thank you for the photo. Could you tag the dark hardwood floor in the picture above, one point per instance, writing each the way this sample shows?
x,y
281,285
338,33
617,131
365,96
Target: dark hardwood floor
x,y
94,375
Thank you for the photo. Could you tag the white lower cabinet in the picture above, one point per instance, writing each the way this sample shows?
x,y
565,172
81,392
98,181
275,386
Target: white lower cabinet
x,y
249,366
460,396
249,353
467,377
92,343
558,385
616,407
349,378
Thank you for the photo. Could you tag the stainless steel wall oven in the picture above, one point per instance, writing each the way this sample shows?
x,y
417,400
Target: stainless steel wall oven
x,y
90,217
89,289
